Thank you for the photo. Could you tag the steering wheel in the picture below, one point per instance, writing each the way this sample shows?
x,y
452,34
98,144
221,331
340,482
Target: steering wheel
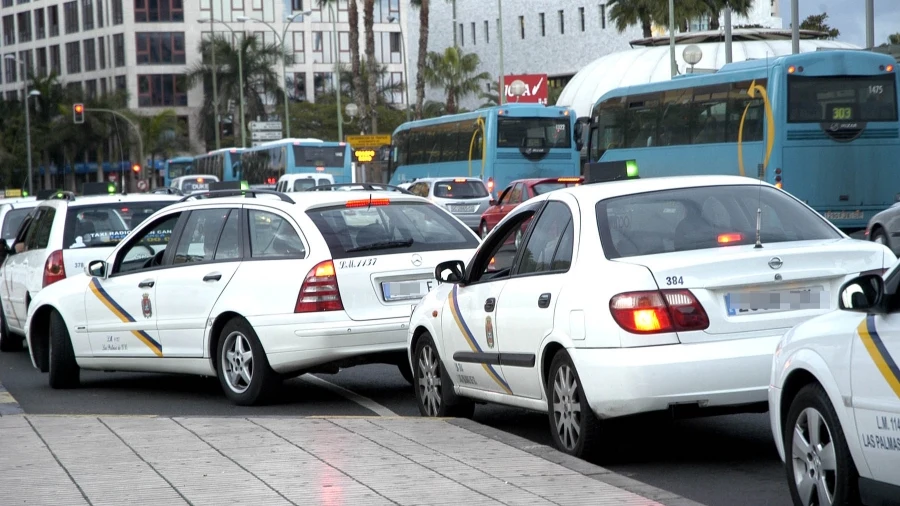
x,y
155,260
151,250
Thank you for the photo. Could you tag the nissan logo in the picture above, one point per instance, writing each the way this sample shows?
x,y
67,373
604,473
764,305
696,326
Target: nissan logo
x,y
775,263
417,260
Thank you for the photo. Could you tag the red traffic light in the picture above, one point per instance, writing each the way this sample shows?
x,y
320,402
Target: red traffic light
x,y
79,108
136,168
78,113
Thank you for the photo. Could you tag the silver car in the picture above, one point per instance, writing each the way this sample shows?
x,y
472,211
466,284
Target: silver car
x,y
884,228
465,197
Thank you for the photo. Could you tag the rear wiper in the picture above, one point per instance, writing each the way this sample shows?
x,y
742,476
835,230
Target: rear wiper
x,y
383,245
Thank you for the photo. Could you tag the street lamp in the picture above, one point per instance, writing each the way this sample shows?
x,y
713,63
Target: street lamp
x,y
391,19
500,41
240,80
27,118
290,19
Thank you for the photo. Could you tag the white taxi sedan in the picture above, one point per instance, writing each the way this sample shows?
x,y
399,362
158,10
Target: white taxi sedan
x,y
835,399
630,297
251,290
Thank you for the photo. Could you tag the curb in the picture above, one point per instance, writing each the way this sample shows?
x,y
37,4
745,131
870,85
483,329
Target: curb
x,y
575,464
8,404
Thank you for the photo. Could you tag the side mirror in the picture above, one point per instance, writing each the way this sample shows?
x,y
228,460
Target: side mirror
x,y
96,269
862,294
493,202
579,132
451,271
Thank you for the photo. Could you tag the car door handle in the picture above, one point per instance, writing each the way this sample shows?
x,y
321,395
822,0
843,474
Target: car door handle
x,y
544,300
215,276
147,283
489,305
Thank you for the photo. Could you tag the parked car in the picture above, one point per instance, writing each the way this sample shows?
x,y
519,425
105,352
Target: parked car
x,y
301,181
466,197
517,192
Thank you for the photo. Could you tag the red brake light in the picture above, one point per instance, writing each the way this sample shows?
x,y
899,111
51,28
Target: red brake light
x,y
729,238
459,180
199,179
659,311
320,290
368,202
889,68
54,268
568,180
320,169
490,185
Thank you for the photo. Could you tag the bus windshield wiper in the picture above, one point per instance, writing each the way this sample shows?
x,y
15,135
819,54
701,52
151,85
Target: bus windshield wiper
x,y
383,245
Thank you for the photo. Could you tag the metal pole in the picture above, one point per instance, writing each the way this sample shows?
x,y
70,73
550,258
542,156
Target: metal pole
x,y
337,73
500,39
240,79
672,38
215,71
28,130
795,27
870,24
727,34
405,68
287,115
136,131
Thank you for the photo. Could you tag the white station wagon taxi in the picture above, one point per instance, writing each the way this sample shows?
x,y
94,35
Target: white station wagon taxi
x,y
252,290
630,297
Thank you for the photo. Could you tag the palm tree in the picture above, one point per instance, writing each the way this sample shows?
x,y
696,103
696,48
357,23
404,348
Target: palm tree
x,y
423,54
739,7
625,13
685,11
384,88
894,38
455,71
163,136
369,23
491,97
356,78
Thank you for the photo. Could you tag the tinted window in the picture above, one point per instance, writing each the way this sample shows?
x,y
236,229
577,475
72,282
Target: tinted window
x,y
841,98
466,189
406,227
200,236
545,238
303,184
39,233
152,242
230,241
318,156
696,218
542,188
13,221
105,224
273,236
533,133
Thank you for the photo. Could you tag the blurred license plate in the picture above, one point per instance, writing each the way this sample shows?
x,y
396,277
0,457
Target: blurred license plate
x,y
776,301
462,209
406,290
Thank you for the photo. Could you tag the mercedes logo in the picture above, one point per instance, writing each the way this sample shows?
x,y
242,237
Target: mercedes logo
x,y
775,263
417,259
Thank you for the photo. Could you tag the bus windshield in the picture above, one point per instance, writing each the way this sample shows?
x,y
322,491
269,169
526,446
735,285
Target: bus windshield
x,y
319,156
841,98
178,169
533,132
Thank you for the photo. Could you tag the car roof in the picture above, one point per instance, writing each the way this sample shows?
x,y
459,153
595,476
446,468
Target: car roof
x,y
195,176
303,201
433,179
535,180
87,200
600,191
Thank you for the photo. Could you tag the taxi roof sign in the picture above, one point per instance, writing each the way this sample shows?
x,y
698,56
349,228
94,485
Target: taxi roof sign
x,y
602,172
12,193
98,188
46,194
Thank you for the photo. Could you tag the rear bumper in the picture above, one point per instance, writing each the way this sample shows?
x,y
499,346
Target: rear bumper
x,y
724,374
293,347
471,220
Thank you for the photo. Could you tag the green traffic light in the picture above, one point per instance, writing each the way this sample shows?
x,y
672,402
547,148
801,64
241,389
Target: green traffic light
x,y
24,193
245,185
111,188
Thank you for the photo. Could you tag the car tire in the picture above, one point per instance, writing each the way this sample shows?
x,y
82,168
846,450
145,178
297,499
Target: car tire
x,y
574,427
64,370
242,366
406,372
484,230
434,387
806,460
518,238
881,237
9,341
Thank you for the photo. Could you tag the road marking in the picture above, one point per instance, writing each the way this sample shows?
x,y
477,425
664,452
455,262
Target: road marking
x,y
350,395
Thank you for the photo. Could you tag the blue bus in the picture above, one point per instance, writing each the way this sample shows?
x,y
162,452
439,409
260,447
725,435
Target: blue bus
x,y
821,125
223,163
176,167
262,165
498,144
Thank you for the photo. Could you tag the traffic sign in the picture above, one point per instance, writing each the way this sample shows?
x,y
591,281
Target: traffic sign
x,y
265,125
364,155
265,135
113,177
142,185
368,141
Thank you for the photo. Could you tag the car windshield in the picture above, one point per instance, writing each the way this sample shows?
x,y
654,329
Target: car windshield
x,y
687,219
302,184
100,225
402,227
465,189
13,221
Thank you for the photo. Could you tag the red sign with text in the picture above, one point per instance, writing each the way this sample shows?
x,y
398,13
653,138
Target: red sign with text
x,y
535,91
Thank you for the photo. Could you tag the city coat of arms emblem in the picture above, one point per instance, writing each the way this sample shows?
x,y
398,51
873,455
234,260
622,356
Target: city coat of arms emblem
x,y
489,331
146,307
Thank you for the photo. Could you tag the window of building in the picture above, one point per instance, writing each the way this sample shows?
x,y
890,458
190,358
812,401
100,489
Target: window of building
x,y
562,21
322,83
581,17
10,68
321,50
87,14
153,11
121,83
299,86
70,14
24,19
521,27
344,46
103,89
73,57
159,48
299,48
462,35
9,30
100,21
42,61
101,46
40,21
55,60
53,14
90,55
162,90
119,50
473,34
7,3
297,5
487,32
603,16
118,17
543,25
90,89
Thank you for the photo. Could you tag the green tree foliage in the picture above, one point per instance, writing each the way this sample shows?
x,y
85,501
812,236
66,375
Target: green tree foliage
x,y
817,22
457,73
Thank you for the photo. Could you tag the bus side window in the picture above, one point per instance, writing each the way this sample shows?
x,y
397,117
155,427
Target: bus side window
x,y
611,124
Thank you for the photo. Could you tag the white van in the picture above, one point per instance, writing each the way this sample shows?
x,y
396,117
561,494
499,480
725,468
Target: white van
x,y
193,184
301,181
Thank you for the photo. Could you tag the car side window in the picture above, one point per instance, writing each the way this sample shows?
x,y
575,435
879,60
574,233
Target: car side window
x,y
200,236
495,259
515,196
39,234
272,236
504,197
545,239
229,247
147,248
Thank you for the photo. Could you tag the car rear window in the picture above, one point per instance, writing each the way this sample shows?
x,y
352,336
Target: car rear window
x,y
103,225
460,190
542,188
13,221
687,219
196,184
401,227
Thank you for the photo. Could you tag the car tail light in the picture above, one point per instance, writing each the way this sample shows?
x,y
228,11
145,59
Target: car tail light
x,y
320,290
658,311
490,185
729,238
880,272
54,268
368,202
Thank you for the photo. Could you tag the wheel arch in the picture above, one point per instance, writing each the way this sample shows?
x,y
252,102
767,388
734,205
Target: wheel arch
x,y
551,345
39,336
215,332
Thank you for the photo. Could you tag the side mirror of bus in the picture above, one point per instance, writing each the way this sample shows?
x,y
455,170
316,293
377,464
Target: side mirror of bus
x,y
579,132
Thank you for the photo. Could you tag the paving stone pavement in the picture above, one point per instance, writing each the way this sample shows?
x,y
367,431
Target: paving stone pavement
x,y
116,460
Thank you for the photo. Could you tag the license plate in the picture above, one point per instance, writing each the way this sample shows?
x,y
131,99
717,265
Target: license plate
x,y
406,290
843,215
462,209
742,303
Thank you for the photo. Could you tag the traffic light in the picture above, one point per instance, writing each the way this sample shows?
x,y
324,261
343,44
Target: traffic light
x,y
78,113
136,168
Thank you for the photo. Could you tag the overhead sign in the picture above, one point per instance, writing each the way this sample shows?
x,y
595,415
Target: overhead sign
x,y
265,135
364,155
368,141
265,125
534,92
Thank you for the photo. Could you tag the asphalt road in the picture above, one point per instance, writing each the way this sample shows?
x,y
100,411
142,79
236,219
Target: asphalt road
x,y
716,461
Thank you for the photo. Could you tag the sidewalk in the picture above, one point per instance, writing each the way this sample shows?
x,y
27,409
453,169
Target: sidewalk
x,y
117,460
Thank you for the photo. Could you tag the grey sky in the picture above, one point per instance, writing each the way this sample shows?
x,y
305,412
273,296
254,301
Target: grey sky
x,y
849,16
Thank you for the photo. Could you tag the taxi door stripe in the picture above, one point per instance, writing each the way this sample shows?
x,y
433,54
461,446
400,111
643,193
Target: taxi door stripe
x,y
470,339
123,315
879,353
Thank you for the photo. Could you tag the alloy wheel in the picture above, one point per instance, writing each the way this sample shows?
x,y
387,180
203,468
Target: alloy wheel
x,y
813,459
429,381
237,362
566,407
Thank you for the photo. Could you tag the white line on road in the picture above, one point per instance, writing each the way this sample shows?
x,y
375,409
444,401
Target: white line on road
x,y
350,395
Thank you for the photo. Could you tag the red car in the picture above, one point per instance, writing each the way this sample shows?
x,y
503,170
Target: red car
x,y
517,192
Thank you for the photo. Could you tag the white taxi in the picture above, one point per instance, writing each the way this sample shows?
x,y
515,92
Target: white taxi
x,y
630,297
253,290
835,398
64,233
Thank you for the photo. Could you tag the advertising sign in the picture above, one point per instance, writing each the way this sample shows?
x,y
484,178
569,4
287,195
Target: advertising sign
x,y
534,92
